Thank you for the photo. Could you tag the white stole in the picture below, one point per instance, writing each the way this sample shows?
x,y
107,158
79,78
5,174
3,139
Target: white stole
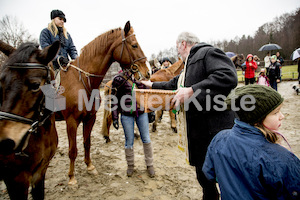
x,y
181,126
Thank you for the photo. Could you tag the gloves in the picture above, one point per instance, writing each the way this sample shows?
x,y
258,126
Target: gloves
x,y
116,124
151,117
63,61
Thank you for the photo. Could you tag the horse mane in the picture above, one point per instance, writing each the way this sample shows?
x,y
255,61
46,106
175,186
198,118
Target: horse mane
x,y
99,44
21,54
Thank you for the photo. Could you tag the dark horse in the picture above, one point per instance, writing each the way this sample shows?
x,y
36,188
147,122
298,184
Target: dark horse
x,y
84,76
28,137
238,60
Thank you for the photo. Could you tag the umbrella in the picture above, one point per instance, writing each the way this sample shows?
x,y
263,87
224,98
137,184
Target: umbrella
x,y
268,47
295,54
230,54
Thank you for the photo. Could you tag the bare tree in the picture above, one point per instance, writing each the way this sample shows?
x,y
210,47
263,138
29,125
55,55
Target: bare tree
x,y
13,32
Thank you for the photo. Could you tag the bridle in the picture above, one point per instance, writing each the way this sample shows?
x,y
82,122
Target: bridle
x,y
43,114
134,68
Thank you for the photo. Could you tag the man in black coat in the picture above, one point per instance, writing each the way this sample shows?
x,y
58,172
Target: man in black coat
x,y
209,77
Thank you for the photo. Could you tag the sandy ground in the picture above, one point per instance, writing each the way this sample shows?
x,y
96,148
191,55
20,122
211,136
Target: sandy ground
x,y
174,178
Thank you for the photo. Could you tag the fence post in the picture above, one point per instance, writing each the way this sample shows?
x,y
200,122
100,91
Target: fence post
x,y
293,75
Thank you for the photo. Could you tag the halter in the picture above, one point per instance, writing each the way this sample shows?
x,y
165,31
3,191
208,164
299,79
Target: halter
x,y
34,124
133,67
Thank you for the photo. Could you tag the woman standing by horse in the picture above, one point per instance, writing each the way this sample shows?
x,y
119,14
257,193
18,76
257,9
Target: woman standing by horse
x,y
123,84
57,31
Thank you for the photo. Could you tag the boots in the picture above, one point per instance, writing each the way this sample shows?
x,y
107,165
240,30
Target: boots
x,y
129,154
149,159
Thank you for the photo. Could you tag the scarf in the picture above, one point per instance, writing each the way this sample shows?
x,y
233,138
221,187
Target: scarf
x,y
61,36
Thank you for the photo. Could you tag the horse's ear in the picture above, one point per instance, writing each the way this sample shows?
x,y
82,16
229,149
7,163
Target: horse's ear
x,y
47,54
6,48
127,27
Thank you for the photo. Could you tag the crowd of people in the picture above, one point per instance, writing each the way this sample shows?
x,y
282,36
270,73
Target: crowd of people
x,y
270,75
237,149
164,63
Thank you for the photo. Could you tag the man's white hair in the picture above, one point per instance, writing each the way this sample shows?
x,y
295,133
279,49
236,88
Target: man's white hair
x,y
190,38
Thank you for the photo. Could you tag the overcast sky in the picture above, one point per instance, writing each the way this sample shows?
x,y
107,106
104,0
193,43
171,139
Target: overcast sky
x,y
157,23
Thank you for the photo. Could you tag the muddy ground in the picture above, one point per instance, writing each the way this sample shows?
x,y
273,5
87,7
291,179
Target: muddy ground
x,y
174,178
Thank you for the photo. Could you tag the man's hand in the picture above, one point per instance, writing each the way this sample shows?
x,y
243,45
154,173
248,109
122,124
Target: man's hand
x,y
147,83
182,94
116,124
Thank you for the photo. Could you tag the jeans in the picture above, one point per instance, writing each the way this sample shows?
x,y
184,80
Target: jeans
x,y
128,126
273,84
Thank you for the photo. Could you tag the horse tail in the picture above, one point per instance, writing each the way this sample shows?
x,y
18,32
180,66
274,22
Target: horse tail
x,y
107,116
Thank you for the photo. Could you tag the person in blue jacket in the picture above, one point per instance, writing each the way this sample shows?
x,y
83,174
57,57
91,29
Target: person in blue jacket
x,y
247,161
57,31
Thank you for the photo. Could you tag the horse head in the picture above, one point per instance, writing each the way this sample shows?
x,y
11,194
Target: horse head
x,y
130,55
22,103
238,60
169,73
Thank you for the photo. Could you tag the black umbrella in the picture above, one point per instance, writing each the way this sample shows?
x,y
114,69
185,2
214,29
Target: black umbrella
x,y
269,47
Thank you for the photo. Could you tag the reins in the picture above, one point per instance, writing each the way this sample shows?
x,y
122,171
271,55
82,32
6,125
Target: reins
x,y
42,116
131,58
133,68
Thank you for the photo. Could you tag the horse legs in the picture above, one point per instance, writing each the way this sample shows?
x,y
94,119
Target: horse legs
x,y
17,187
87,129
38,189
173,121
158,115
72,132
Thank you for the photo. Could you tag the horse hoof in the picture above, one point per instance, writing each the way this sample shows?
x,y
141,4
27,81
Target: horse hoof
x,y
72,181
136,136
90,167
107,139
174,129
153,128
92,170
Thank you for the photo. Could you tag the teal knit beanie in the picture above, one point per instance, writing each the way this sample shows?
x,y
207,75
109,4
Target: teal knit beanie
x,y
257,100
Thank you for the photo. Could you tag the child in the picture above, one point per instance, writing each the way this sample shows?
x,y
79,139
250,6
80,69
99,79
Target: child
x,y
246,160
262,79
251,66
273,72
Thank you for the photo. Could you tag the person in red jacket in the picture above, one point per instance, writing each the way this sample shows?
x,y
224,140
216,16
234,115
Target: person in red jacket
x,y
251,66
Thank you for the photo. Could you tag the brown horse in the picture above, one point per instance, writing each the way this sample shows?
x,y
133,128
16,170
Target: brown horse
x,y
166,75
83,78
161,75
28,137
238,60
